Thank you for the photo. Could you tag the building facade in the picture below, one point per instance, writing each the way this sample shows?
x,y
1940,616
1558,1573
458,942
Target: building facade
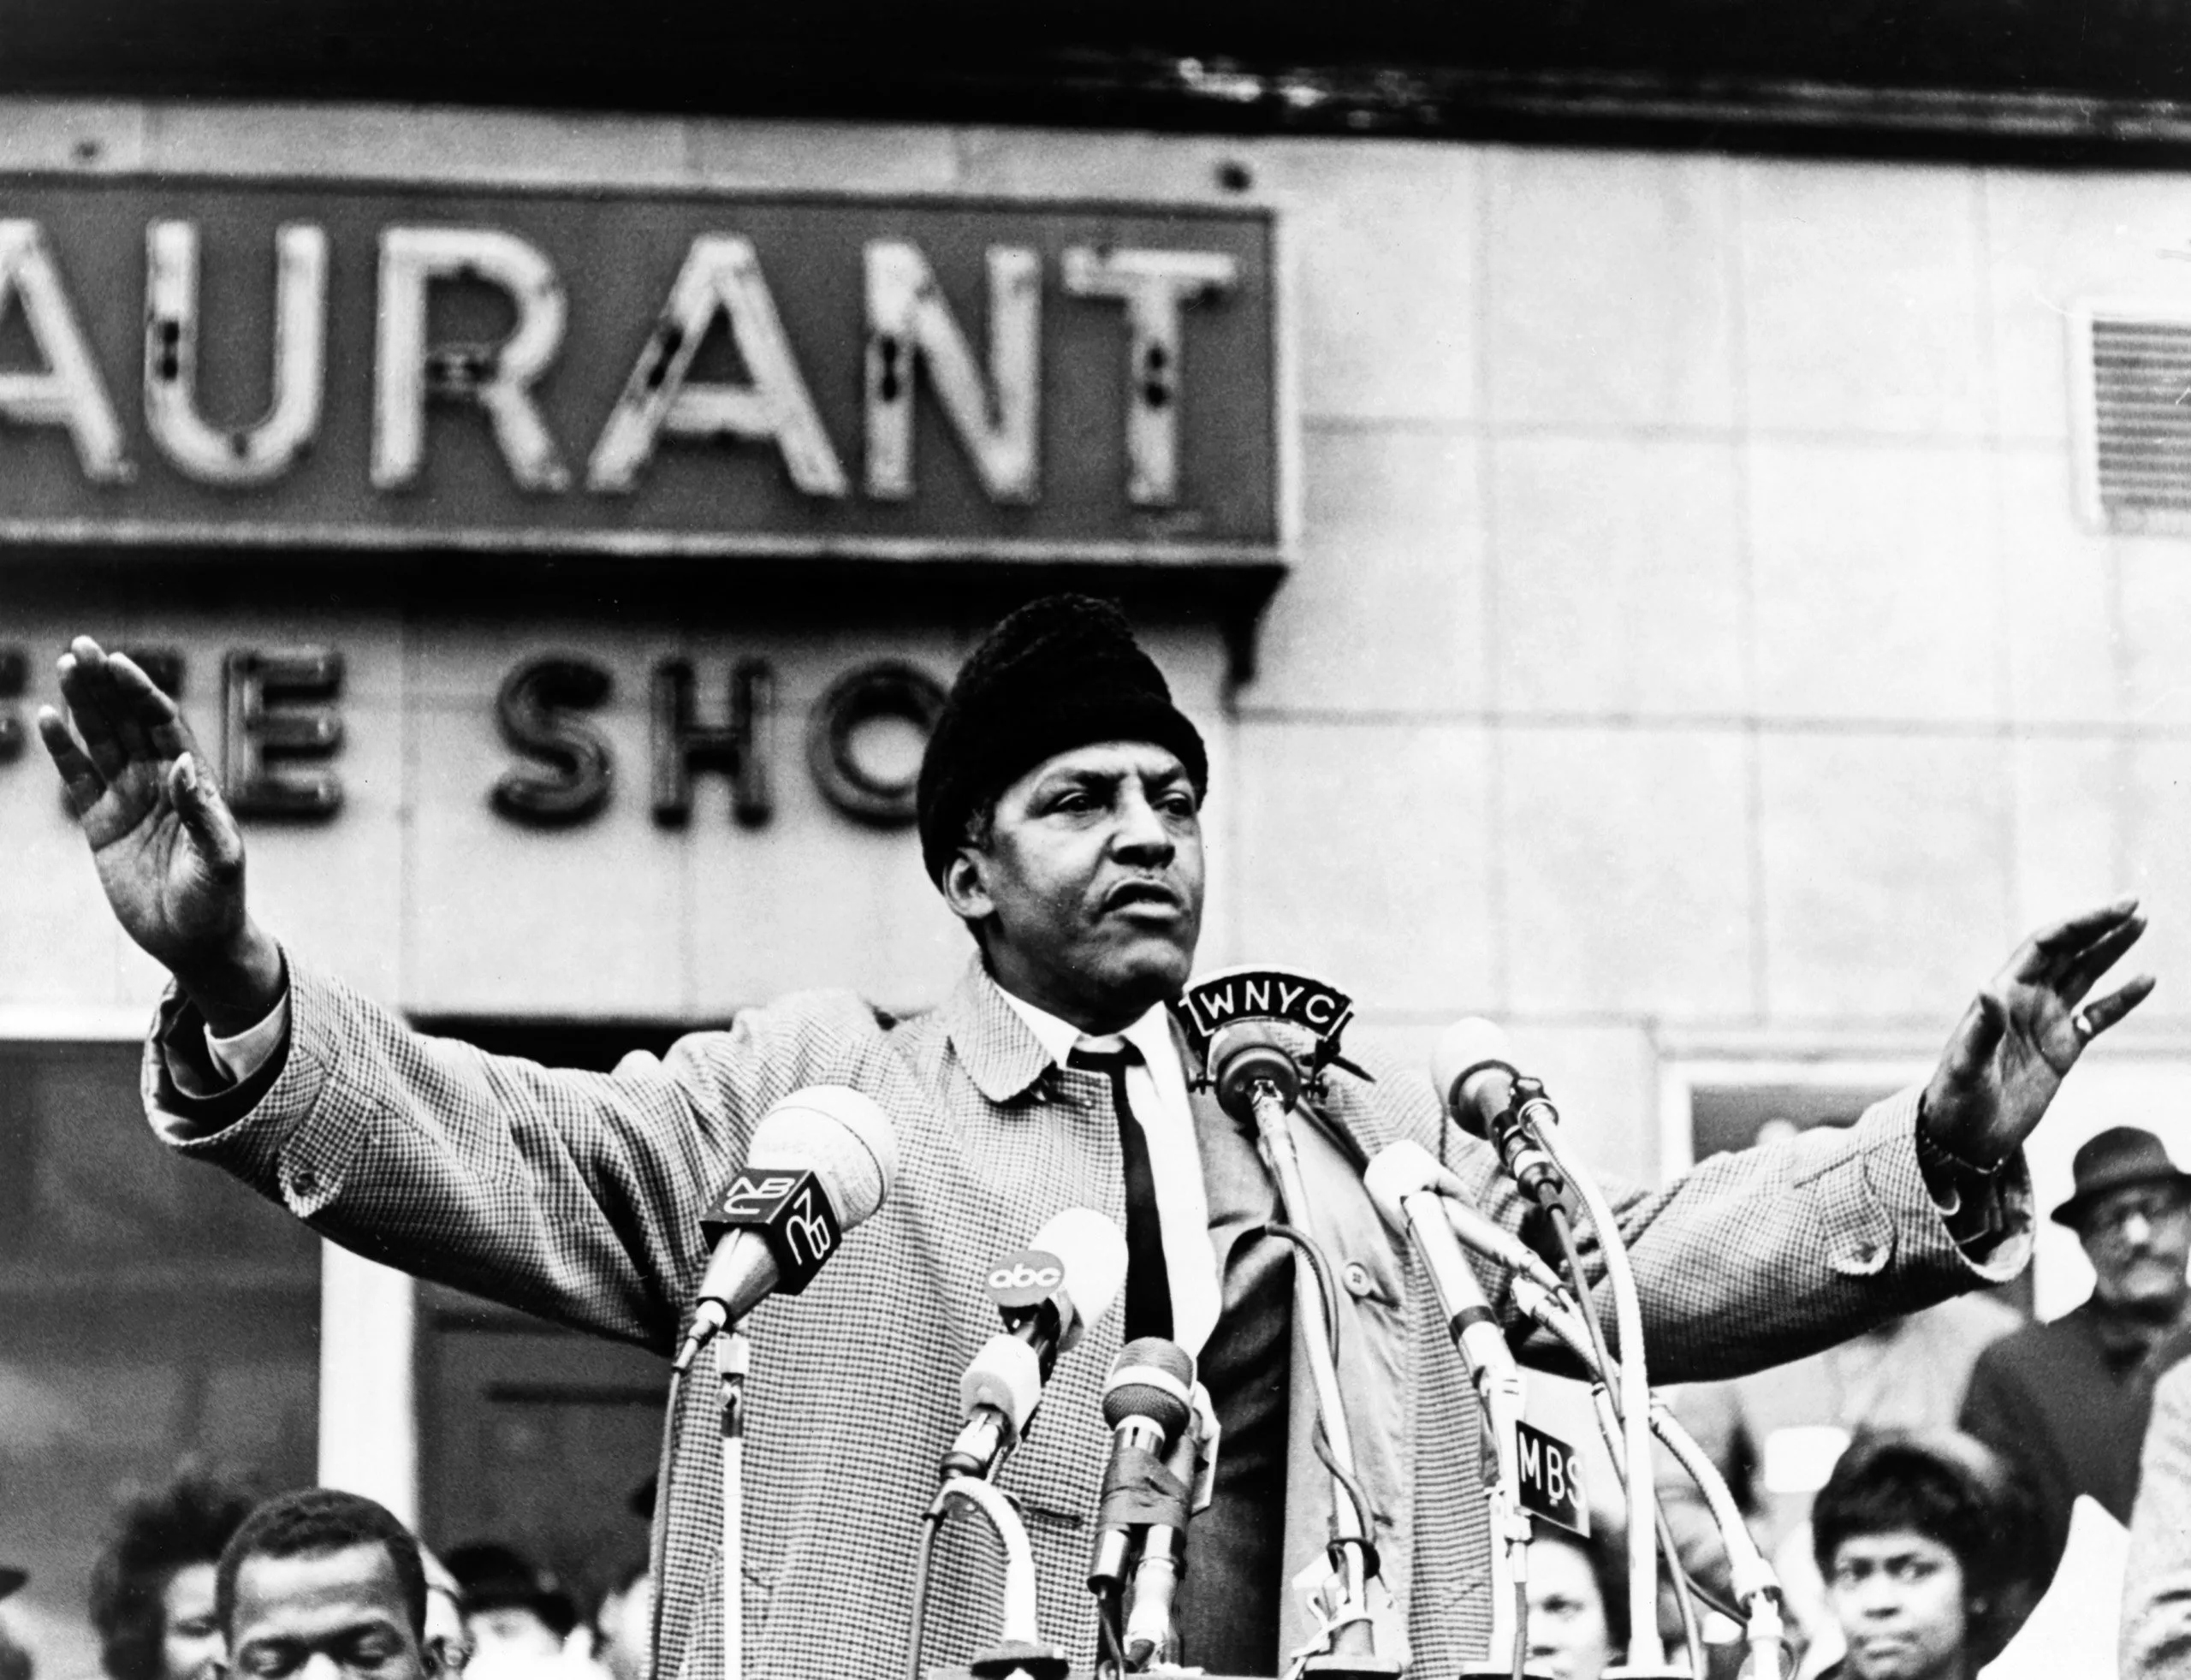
x,y
1687,606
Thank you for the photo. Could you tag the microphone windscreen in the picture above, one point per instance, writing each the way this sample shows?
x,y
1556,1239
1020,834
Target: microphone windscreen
x,y
1399,1169
1151,1378
1467,1046
1094,1251
841,1136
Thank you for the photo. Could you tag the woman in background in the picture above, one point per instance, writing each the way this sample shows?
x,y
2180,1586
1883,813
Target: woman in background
x,y
152,1585
1578,1618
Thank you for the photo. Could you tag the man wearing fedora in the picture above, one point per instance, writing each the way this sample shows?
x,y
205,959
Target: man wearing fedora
x,y
2065,1401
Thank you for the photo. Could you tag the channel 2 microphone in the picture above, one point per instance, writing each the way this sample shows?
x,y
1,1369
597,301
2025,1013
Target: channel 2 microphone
x,y
1047,1294
821,1161
1481,1088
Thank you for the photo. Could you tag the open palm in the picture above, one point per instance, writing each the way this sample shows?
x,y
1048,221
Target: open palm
x,y
2026,1028
167,849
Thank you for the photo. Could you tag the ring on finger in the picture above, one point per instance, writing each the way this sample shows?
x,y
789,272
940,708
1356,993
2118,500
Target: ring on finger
x,y
2081,1024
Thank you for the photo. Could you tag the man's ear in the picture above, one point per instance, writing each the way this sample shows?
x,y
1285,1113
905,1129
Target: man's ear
x,y
966,887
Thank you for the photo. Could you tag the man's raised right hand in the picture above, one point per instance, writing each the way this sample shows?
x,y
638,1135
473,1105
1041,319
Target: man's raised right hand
x,y
165,842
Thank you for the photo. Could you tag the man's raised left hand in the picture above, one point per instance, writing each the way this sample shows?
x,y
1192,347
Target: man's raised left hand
x,y
2025,1030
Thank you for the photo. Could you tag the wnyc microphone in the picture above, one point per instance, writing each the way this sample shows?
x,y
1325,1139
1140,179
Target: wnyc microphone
x,y
1047,1294
820,1162
1481,1088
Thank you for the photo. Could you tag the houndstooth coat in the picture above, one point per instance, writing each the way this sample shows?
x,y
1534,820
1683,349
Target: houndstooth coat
x,y
577,1197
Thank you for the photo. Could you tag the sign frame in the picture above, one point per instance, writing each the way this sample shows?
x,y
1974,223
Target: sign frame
x,y
247,534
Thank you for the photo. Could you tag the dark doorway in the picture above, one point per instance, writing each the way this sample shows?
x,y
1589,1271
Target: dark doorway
x,y
529,1433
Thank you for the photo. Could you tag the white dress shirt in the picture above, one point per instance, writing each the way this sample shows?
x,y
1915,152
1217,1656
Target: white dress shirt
x,y
1156,1091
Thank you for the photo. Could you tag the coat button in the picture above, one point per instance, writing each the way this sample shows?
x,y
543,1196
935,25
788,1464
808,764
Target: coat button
x,y
303,1181
1359,1283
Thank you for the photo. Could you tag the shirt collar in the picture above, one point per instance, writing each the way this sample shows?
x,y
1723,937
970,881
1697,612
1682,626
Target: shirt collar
x,y
1151,1035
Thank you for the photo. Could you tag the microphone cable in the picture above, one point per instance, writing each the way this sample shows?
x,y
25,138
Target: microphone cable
x,y
658,1545
1326,1285
1111,1641
924,1561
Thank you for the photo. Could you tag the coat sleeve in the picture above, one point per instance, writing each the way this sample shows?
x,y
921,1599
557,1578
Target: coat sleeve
x,y
1760,1256
2156,1633
572,1195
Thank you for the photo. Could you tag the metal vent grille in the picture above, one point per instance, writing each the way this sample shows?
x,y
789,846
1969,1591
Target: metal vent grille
x,y
2130,375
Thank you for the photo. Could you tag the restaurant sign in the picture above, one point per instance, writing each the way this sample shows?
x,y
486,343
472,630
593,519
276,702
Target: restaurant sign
x,y
218,363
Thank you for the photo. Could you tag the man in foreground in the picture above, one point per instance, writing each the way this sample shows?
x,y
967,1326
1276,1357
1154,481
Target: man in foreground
x,y
327,1575
2066,1402
1061,817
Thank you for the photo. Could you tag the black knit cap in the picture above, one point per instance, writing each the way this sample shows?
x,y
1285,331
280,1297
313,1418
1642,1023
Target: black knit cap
x,y
1058,673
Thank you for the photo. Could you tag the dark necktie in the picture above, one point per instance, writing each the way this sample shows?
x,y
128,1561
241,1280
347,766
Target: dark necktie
x,y
1149,1282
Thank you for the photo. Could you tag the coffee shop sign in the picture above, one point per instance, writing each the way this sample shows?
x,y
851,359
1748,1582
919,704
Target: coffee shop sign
x,y
281,731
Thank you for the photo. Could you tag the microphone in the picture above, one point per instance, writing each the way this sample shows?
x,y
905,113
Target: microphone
x,y
1047,1294
1149,1637
1488,1099
1404,1180
1494,1241
1147,1401
821,1161
1245,1056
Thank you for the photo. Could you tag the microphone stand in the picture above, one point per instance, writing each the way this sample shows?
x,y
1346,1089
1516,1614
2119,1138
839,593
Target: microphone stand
x,y
1646,1654
1259,1081
733,1361
1756,1585
1497,1380
1020,1649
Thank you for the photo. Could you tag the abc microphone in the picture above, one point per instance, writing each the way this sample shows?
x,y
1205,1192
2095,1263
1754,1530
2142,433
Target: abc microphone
x,y
1488,1099
1047,1294
821,1161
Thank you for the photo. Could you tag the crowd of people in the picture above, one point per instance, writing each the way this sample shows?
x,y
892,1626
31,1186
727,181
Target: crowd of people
x,y
202,1576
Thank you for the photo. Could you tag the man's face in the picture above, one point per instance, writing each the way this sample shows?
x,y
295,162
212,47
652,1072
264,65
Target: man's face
x,y
1898,1598
191,1647
2138,1240
324,1615
1090,889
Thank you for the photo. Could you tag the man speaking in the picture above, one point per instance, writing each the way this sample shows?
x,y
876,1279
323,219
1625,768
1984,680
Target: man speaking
x,y
1059,808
